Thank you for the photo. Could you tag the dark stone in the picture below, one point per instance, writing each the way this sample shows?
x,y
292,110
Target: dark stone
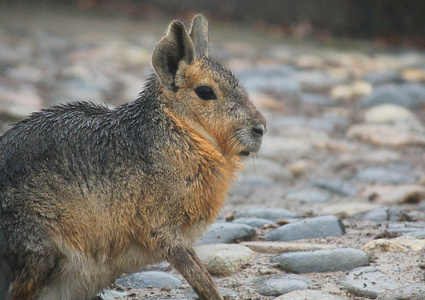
x,y
226,233
254,222
278,284
337,186
383,214
329,260
415,91
380,78
309,196
248,184
388,94
315,81
226,293
407,292
317,99
143,280
268,213
319,227
367,282
384,176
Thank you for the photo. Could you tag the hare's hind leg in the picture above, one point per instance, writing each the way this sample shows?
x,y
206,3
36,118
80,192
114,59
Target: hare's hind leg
x,y
34,271
5,278
28,260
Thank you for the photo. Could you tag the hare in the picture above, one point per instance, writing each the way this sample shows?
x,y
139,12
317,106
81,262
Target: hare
x,y
89,192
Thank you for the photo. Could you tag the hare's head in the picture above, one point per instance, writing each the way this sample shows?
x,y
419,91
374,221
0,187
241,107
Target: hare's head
x,y
204,94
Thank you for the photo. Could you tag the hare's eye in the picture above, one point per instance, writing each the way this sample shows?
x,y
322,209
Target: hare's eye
x,y
205,93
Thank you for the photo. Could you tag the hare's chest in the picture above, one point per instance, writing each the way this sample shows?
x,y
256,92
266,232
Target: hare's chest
x,y
207,194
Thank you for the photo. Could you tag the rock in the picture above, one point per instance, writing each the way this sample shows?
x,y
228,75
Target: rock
x,y
280,53
112,295
267,71
407,292
308,61
162,266
319,227
247,184
378,156
342,91
287,121
280,148
420,234
283,247
381,214
382,77
269,213
315,136
271,78
387,113
226,293
317,99
316,81
413,74
415,91
406,230
309,196
388,94
350,208
338,145
143,280
329,260
398,116
302,167
348,91
367,282
398,194
338,119
400,244
226,233
362,88
224,259
297,124
307,295
385,135
253,222
337,186
421,205
278,284
386,176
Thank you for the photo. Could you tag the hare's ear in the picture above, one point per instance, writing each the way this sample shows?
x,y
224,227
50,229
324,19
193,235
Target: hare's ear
x,y
199,35
174,48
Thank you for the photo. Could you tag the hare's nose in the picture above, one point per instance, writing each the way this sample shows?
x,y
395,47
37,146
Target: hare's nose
x,y
257,131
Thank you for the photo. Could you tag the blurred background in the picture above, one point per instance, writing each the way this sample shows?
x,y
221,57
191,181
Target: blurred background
x,y
55,51
394,22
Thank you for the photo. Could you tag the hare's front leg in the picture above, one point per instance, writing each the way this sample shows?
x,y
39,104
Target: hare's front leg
x,y
188,264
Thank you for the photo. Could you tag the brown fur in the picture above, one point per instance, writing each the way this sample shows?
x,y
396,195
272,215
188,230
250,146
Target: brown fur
x,y
136,185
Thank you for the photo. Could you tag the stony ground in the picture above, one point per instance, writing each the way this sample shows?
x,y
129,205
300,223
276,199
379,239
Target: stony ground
x,y
331,208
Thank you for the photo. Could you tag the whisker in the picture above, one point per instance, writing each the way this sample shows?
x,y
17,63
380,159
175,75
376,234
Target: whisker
x,y
253,163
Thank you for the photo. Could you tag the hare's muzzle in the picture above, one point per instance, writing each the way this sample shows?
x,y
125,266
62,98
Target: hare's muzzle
x,y
253,138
